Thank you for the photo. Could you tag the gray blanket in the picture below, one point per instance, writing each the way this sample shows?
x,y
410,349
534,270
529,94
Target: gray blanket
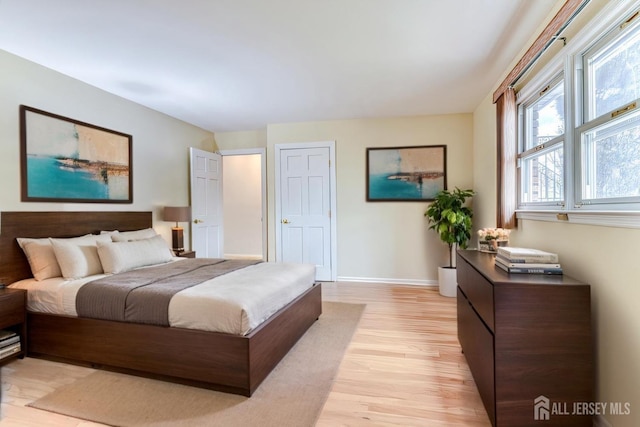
x,y
142,296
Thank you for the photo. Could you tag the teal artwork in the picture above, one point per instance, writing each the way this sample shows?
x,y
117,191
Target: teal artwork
x,y
64,160
406,173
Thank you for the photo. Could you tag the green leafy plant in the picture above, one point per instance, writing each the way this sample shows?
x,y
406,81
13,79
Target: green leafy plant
x,y
451,218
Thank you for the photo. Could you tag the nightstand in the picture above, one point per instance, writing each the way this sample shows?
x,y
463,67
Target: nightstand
x,y
13,317
186,254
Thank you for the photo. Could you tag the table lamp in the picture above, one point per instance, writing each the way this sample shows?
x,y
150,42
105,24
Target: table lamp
x,y
177,214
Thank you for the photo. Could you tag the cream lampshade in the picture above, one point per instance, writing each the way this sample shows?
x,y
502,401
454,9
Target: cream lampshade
x,y
177,214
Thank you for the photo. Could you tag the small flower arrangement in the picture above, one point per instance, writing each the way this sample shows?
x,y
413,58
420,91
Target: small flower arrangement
x,y
494,234
491,238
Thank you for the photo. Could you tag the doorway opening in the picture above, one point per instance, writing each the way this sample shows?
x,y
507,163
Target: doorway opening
x,y
244,203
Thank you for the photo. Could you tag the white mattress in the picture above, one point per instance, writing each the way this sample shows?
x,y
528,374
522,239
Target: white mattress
x,y
234,303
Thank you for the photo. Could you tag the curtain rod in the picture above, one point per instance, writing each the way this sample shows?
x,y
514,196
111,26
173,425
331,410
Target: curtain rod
x,y
549,35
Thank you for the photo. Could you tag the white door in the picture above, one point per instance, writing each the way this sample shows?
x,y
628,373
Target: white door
x,y
305,201
206,203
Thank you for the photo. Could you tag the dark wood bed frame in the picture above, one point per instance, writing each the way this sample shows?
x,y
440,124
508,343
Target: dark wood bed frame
x,y
225,362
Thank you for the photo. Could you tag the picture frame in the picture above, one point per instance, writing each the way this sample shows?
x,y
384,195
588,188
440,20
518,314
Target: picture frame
x,y
66,160
407,174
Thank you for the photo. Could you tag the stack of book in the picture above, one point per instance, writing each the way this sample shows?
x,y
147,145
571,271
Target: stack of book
x,y
9,343
527,261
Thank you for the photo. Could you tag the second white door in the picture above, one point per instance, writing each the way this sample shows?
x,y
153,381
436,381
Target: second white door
x,y
305,208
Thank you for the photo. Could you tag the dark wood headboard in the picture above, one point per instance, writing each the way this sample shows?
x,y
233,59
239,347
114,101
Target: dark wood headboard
x,y
13,263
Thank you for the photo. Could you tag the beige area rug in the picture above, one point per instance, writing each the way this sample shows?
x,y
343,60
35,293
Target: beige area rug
x,y
292,395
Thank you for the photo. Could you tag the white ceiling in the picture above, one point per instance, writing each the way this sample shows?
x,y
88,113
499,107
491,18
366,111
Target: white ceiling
x,y
228,65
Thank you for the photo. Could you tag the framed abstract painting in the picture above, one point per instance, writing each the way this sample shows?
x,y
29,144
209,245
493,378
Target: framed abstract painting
x,y
66,160
406,173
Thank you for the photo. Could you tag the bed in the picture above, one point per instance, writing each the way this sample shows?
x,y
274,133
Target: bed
x,y
217,360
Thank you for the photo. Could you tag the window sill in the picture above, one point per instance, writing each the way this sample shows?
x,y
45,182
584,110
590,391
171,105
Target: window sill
x,y
622,219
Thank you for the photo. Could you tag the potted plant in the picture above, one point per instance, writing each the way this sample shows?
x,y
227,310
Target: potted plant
x,y
451,219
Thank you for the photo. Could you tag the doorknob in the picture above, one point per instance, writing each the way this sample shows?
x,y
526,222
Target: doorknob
x,y
197,221
285,221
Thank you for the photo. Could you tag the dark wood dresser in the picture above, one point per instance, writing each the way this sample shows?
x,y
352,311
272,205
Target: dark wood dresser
x,y
526,338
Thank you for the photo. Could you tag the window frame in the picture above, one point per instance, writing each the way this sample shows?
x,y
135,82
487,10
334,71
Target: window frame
x,y
538,92
569,62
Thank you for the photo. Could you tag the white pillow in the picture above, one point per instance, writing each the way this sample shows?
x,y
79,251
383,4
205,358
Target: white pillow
x,y
78,257
42,258
127,236
117,257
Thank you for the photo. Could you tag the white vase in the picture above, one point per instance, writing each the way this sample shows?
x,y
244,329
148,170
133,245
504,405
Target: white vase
x,y
447,281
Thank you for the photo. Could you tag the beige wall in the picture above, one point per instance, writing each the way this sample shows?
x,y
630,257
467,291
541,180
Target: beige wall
x,y
381,240
240,140
376,241
160,143
605,257
484,165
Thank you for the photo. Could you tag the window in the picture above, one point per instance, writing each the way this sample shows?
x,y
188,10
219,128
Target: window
x,y
612,72
610,161
542,146
594,164
609,140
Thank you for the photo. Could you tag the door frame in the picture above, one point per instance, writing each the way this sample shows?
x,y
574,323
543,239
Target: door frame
x,y
333,197
263,164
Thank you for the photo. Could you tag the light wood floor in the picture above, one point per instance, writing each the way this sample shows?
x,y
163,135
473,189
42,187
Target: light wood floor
x,y
403,367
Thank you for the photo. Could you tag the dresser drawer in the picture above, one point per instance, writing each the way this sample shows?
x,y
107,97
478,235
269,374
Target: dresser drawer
x,y
477,343
479,291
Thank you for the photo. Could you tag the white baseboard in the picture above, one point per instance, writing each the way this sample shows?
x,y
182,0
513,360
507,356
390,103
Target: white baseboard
x,y
601,421
414,282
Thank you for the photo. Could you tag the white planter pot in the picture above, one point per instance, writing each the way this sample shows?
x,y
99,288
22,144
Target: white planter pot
x,y
447,281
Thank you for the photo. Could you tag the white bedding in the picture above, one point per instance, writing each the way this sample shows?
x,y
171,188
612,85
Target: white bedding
x,y
234,303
